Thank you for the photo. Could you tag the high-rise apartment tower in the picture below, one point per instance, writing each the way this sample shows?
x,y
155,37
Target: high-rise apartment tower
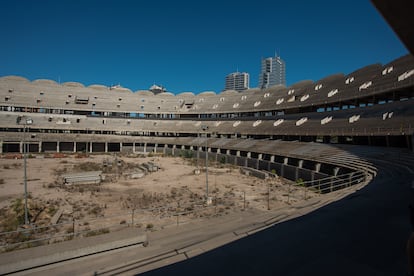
x,y
237,81
273,72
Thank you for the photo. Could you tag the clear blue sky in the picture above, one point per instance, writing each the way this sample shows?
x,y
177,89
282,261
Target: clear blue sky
x,y
189,45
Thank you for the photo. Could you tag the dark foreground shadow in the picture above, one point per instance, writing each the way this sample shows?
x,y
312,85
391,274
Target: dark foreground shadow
x,y
362,234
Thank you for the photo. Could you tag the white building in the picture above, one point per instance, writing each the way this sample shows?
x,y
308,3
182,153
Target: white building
x,y
237,81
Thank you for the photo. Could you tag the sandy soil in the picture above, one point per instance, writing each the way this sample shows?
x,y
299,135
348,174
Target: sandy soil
x,y
155,199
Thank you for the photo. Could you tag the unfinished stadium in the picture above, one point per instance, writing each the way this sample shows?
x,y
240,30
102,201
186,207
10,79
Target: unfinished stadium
x,y
340,132
291,130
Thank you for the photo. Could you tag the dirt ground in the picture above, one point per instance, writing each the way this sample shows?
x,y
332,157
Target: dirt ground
x,y
151,202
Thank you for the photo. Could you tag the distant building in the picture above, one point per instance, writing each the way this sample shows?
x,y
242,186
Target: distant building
x,y
237,81
273,72
156,89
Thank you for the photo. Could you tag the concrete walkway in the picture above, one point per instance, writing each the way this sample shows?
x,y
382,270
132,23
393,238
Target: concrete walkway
x,y
21,260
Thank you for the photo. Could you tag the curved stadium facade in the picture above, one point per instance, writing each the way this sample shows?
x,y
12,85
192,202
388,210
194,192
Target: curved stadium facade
x,y
309,130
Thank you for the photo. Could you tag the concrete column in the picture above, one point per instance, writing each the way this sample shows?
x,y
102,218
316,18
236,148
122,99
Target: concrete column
x,y
300,165
335,171
173,149
1,146
285,160
238,153
272,158
218,151
57,146
249,155
133,147
90,147
228,152
317,167
412,142
120,146
145,147
191,148
155,148
74,146
21,147
260,157
40,146
106,147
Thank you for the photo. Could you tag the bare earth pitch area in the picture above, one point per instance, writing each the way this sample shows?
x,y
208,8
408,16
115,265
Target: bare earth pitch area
x,y
172,194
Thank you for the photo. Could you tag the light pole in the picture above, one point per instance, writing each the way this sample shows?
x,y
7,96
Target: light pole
x,y
26,121
205,128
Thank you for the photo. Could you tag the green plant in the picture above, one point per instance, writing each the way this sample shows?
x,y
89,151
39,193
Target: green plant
x,y
300,182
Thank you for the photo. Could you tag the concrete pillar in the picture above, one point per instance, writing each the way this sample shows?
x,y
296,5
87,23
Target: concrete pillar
x,y
412,142
218,151
74,146
106,147
228,152
21,147
57,146
173,149
285,160
1,146
155,148
191,148
90,147
249,155
133,147
272,158
145,147
300,165
335,171
40,146
238,153
260,157
317,167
